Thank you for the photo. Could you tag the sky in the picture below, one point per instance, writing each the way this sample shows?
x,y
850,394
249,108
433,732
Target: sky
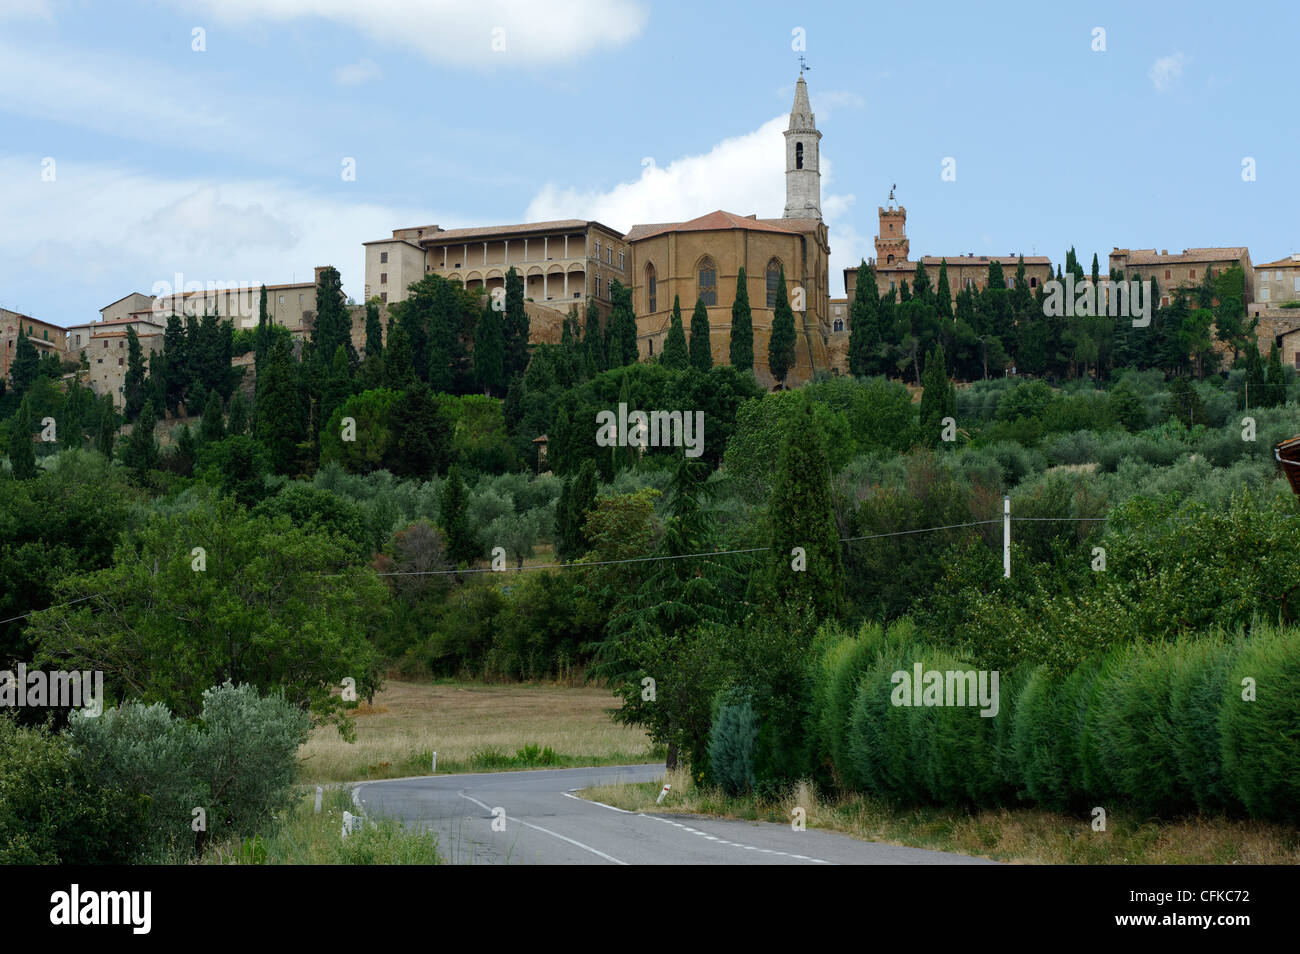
x,y
212,138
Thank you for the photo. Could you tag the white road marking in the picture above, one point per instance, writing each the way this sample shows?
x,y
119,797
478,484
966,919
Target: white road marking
x,y
546,831
696,831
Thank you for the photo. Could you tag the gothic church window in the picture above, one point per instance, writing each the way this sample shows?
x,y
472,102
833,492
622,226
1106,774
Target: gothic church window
x,y
708,282
773,277
651,288
798,155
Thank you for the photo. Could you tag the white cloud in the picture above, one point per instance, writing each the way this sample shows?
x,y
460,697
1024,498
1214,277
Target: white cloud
x,y
744,174
133,99
103,231
354,74
1167,71
484,33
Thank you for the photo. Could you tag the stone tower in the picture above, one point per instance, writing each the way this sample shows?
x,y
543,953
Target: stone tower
x,y
803,178
891,239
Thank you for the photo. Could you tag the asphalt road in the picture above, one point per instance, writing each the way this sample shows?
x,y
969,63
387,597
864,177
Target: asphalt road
x,y
546,823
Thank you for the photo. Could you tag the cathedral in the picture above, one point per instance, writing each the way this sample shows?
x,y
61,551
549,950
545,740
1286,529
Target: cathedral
x,y
702,259
568,262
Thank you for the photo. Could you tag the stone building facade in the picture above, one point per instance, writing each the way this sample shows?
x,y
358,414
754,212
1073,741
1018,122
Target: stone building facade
x,y
563,263
701,259
893,264
45,337
1184,270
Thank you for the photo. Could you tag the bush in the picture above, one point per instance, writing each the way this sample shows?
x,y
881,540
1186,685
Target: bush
x,y
237,764
1261,738
1198,683
732,743
52,811
837,672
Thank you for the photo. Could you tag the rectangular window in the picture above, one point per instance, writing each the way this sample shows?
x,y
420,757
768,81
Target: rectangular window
x,y
1191,273
282,299
301,298
1296,281
106,344
598,251
620,261
99,361
1166,273
383,278
1277,276
653,289
1263,294
597,286
383,258
119,362
121,345
383,296
609,255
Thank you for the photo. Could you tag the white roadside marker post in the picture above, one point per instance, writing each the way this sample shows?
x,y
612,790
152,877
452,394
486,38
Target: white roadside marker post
x,y
434,769
663,793
320,792
1006,537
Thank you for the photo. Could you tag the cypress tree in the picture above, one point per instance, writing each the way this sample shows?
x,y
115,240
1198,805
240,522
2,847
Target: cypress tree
x,y
593,342
262,337
399,368
742,327
280,425
921,283
801,515
212,427
516,327
461,548
106,438
133,384
186,450
142,446
336,387
582,498
701,341
421,439
675,355
22,456
622,326
237,420
26,361
177,368
1275,378
333,328
943,293
780,348
864,327
938,399
489,352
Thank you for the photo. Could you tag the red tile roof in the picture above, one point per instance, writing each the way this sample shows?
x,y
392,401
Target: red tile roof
x,y
718,221
1149,256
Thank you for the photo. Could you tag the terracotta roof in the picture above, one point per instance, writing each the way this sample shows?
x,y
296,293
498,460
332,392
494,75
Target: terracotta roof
x,y
717,221
480,232
964,261
798,225
115,321
1149,256
1291,261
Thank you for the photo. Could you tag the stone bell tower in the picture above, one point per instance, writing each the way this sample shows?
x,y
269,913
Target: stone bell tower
x,y
803,178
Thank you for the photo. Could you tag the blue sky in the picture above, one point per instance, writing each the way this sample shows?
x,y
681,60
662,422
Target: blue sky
x,y
225,164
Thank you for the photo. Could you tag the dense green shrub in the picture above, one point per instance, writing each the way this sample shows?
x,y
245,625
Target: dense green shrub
x,y
52,811
1261,738
733,740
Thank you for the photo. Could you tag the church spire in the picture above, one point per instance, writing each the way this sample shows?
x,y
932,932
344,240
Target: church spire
x,y
803,186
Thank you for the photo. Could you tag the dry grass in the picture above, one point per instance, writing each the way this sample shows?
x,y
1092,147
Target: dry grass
x,y
1019,836
472,726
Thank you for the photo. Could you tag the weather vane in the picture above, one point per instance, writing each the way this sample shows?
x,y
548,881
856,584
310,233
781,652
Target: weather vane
x,y
891,191
802,65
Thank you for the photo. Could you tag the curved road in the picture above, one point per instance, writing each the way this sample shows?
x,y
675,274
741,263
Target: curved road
x,y
546,823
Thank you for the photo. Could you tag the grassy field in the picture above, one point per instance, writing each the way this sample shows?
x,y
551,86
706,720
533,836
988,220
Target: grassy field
x,y
474,727
1023,836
